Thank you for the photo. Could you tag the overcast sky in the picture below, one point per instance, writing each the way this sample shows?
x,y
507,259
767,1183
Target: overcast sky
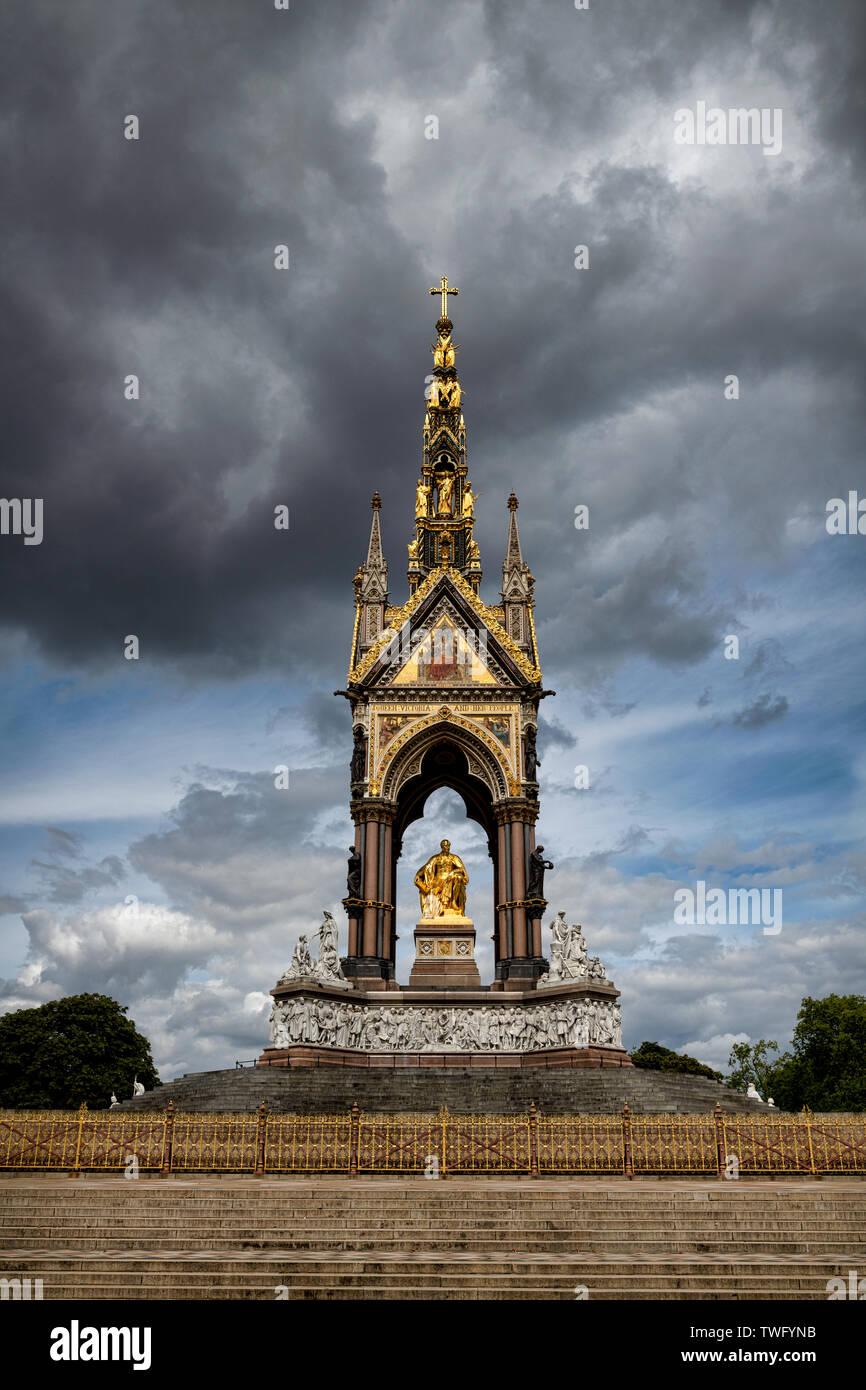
x,y
145,851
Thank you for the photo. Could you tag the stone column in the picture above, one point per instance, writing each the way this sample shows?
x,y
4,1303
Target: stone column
x,y
371,887
519,959
518,887
396,850
354,917
502,951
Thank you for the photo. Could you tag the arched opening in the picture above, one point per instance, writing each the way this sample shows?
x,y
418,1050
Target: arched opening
x,y
444,816
440,802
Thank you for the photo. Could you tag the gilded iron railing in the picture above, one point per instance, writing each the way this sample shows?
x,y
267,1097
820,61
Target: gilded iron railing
x,y
350,1143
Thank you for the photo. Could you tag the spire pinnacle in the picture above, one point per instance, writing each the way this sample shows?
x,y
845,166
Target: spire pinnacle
x,y
513,555
375,561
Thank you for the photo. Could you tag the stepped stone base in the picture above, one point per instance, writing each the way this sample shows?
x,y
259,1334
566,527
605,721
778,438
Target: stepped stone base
x,y
306,1056
464,1090
321,1238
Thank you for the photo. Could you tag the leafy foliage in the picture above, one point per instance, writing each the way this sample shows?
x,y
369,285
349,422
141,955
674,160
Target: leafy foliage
x,y
826,1069
752,1063
76,1049
657,1058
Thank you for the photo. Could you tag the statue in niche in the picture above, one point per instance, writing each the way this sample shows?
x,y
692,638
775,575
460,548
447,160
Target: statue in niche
x,y
445,502
353,878
537,866
469,500
358,764
532,763
441,883
422,499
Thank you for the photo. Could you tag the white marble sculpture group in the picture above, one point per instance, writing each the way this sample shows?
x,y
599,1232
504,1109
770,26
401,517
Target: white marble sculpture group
x,y
412,1028
327,968
568,955
300,1019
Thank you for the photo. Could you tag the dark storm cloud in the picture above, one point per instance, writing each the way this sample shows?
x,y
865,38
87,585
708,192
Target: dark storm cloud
x,y
305,387
111,237
763,710
59,882
553,734
237,854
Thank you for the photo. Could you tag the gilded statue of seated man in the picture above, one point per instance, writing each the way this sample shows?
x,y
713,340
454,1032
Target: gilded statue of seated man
x,y
441,883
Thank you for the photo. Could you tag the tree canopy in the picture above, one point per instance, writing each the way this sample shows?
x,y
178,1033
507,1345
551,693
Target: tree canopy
x,y
826,1067
76,1049
657,1058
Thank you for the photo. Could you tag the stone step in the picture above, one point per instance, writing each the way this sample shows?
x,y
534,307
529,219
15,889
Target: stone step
x,y
478,1280
409,1239
464,1090
500,1249
692,1212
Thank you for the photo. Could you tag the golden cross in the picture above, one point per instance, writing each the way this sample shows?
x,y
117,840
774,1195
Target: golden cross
x,y
444,289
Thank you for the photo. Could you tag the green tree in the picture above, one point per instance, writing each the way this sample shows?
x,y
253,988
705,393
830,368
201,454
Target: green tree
x,y
657,1058
76,1049
827,1068
751,1062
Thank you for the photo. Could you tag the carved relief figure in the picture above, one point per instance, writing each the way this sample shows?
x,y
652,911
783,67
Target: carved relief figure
x,y
511,1029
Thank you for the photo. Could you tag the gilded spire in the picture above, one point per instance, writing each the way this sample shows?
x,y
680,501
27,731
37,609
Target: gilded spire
x,y
444,391
444,500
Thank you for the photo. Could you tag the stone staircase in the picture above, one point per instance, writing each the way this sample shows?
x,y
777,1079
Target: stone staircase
x,y
246,1238
463,1090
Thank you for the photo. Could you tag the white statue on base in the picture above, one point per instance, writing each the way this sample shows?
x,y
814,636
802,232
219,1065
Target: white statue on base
x,y
327,968
302,963
752,1093
137,1088
114,1101
328,965
568,955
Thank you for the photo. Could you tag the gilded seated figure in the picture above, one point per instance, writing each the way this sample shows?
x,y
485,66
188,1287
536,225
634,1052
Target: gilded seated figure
x,y
441,883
